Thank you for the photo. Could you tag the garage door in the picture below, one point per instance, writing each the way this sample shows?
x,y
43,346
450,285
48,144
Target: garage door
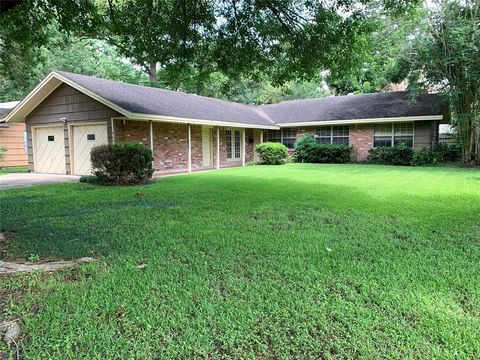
x,y
85,137
49,152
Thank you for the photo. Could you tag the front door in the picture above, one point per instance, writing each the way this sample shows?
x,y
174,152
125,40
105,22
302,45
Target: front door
x,y
207,146
233,144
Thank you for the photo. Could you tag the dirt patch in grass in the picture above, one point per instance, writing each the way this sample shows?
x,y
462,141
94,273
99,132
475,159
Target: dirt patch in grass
x,y
5,238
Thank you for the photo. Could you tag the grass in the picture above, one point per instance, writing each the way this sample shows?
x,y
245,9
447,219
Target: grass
x,y
15,169
300,260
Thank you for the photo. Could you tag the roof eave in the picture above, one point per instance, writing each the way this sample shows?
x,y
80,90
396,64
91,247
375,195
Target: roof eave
x,y
362,121
174,119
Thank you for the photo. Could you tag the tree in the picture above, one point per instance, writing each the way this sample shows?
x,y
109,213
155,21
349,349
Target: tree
x,y
445,56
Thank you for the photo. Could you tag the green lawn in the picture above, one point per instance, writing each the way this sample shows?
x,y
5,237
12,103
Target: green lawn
x,y
294,261
15,169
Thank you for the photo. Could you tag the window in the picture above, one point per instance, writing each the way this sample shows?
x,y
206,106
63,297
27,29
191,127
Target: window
x,y
285,136
333,135
289,135
392,134
274,136
91,137
50,138
383,135
403,133
233,144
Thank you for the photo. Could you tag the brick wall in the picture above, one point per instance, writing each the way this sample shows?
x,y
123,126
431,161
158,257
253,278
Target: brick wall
x,y
170,143
361,137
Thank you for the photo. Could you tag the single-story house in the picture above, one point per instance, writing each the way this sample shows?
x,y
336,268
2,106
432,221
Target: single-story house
x,y
67,114
12,137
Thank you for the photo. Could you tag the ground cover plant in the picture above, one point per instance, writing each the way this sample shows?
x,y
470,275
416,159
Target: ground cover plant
x,y
295,261
11,170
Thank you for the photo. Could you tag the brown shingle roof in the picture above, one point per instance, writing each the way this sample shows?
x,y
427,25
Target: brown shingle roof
x,y
154,101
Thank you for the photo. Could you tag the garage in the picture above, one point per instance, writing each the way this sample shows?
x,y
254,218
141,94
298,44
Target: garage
x,y
49,150
84,138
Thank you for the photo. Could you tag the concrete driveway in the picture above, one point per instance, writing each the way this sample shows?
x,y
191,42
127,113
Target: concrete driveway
x,y
10,181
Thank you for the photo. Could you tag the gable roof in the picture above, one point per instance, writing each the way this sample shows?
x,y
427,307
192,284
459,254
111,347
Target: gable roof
x,y
147,103
356,107
154,101
6,107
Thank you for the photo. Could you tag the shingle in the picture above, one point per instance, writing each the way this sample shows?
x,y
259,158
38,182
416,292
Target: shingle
x,y
154,101
349,107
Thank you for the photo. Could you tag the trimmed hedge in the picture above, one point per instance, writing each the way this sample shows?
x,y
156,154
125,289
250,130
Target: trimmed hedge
x,y
271,153
402,155
307,149
122,163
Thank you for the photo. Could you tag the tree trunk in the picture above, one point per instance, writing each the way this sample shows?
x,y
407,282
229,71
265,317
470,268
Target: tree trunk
x,y
152,73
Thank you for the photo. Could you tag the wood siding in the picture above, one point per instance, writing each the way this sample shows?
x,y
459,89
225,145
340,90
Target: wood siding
x,y
425,134
13,139
76,107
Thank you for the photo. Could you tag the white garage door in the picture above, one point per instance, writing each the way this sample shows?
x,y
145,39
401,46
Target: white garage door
x,y
85,137
49,152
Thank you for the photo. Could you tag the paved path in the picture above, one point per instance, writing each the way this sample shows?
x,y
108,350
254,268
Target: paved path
x,y
9,181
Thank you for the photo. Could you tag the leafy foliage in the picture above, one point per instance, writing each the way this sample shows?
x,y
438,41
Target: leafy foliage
x,y
400,154
307,149
271,153
3,150
445,56
122,163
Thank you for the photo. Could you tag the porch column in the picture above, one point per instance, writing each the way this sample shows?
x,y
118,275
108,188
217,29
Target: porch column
x,y
112,124
261,136
217,159
151,143
242,144
189,148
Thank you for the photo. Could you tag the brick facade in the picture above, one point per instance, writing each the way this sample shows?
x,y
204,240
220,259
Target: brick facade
x,y
170,144
361,138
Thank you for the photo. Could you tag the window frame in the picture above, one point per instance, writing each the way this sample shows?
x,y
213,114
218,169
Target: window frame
x,y
392,134
331,137
232,146
279,136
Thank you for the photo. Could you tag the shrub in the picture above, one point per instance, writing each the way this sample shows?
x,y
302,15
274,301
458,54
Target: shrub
x,y
3,150
438,154
122,163
422,157
400,154
380,155
307,149
272,153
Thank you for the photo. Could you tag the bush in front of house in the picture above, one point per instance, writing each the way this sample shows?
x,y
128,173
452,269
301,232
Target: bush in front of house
x,y
122,163
400,154
440,153
308,150
271,153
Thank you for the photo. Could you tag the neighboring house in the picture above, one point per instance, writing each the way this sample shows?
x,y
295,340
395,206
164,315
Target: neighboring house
x,y
67,114
12,137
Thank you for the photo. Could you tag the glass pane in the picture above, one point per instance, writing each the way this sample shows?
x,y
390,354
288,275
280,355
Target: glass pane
x,y
382,141
324,131
407,140
273,135
237,144
340,140
90,136
50,138
289,143
324,140
289,133
383,129
340,131
229,144
404,129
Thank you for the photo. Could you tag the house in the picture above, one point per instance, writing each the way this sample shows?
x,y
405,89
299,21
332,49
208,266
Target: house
x,y
12,137
67,114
